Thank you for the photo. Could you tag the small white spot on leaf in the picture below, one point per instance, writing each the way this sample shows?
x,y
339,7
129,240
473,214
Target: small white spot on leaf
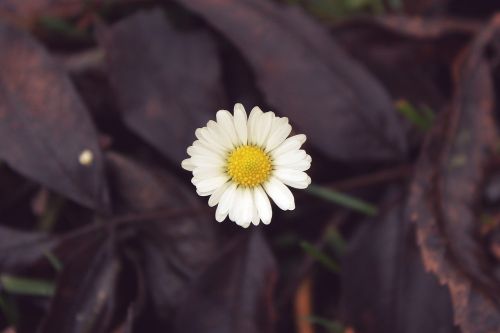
x,y
86,157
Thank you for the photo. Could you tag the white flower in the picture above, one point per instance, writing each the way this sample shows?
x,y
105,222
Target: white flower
x,y
240,161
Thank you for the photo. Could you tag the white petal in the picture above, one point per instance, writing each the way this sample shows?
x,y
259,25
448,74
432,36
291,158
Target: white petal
x,y
207,161
293,178
291,157
279,134
252,124
207,137
263,125
279,121
280,194
235,211
292,143
302,165
205,134
255,216
262,204
227,199
246,208
240,123
226,123
220,216
208,172
209,184
204,193
198,133
232,211
187,164
245,225
216,196
215,148
219,136
202,151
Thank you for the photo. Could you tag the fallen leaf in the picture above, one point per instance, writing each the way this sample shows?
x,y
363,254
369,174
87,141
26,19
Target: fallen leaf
x,y
385,285
234,294
26,13
44,125
306,76
427,27
446,191
425,6
482,8
170,251
424,48
167,82
128,324
20,249
84,299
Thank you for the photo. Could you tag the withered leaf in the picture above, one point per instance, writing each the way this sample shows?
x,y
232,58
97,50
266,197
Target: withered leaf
x,y
44,125
27,12
167,82
424,48
427,27
385,285
446,191
305,75
170,251
84,299
20,249
234,294
425,6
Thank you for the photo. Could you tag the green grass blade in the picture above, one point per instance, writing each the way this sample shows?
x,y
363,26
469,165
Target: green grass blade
x,y
395,4
319,256
51,215
26,286
343,200
330,326
421,118
9,309
54,261
335,240
61,27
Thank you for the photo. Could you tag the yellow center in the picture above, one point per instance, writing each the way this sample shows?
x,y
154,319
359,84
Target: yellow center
x,y
248,166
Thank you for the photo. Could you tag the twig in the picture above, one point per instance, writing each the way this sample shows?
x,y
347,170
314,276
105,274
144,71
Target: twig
x,y
139,217
375,178
160,214
82,61
303,307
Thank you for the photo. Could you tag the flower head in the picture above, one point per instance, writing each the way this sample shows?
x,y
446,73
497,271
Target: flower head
x,y
240,161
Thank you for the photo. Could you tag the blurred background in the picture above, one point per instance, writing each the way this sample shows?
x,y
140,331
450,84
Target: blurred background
x,y
102,231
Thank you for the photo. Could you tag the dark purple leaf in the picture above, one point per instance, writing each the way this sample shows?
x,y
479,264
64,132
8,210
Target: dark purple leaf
x,y
26,12
44,125
235,293
446,191
428,27
20,249
425,6
170,250
305,75
167,82
385,286
84,299
424,48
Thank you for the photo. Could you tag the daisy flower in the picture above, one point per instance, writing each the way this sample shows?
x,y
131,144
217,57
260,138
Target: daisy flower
x,y
240,162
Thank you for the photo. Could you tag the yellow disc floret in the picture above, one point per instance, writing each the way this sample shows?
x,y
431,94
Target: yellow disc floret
x,y
249,166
